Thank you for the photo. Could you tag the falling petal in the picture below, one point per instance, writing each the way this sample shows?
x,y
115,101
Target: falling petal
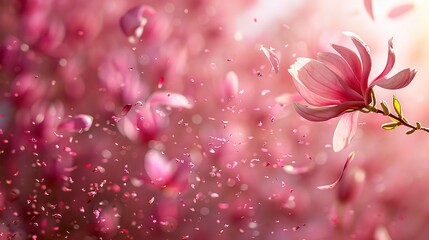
x,y
348,161
231,84
299,170
169,99
368,8
273,58
81,122
158,167
125,110
288,98
351,185
345,131
265,92
400,10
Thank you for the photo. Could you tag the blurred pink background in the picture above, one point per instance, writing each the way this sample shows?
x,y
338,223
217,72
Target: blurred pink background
x,y
164,120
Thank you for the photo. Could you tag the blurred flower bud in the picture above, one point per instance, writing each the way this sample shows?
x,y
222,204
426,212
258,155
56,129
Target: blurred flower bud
x,y
53,36
27,89
351,185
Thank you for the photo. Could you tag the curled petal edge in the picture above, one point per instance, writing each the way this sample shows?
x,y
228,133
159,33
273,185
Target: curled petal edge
x,y
346,164
390,60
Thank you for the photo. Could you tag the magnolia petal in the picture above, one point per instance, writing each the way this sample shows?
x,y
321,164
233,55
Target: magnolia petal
x,y
320,80
127,127
81,122
400,10
158,167
175,100
288,98
309,96
133,21
352,60
231,84
390,61
397,81
125,110
368,8
325,113
299,170
364,57
351,185
345,131
272,57
332,185
338,65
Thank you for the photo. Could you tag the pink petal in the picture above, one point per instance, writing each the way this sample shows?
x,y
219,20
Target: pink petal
x,y
400,10
169,99
351,185
311,97
320,80
338,65
390,62
332,185
127,127
397,81
364,57
273,58
345,131
231,84
125,110
158,168
368,8
133,21
352,60
325,113
288,98
81,122
149,123
299,170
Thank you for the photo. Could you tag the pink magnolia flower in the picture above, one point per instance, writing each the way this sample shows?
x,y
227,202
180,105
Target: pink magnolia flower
x,y
337,84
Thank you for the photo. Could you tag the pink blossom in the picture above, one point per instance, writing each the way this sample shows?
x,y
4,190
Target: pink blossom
x,y
81,122
159,169
337,84
148,119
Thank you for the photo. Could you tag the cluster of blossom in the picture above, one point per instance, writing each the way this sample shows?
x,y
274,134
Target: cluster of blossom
x,y
180,120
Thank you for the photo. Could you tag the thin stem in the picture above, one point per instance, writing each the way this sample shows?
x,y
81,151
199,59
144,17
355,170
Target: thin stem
x,y
397,118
